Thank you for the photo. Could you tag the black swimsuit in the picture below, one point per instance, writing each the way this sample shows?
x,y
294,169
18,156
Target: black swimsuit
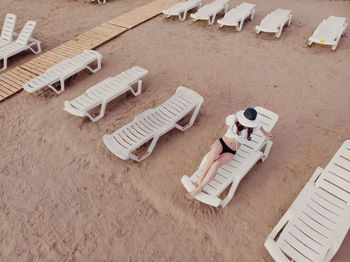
x,y
226,148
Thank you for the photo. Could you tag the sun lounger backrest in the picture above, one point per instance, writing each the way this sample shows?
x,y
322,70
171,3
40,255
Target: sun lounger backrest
x,y
8,27
336,177
268,120
26,33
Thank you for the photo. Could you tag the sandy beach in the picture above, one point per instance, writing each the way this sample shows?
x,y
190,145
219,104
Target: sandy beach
x,y
65,197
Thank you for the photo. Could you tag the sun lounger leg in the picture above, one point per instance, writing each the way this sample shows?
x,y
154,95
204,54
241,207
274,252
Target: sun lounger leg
x,y
252,15
38,47
149,150
97,68
278,35
230,194
183,16
336,44
193,118
102,112
4,66
139,88
61,87
345,26
226,8
240,25
267,150
290,20
212,20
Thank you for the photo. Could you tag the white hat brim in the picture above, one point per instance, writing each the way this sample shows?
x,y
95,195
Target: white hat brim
x,y
246,122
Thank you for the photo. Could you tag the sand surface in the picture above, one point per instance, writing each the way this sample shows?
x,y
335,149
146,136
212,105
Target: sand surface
x,y
65,197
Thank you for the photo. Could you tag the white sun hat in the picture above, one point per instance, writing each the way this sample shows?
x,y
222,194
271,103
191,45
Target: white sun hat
x,y
248,117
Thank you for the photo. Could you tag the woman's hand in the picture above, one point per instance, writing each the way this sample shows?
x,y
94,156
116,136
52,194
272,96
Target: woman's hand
x,y
267,134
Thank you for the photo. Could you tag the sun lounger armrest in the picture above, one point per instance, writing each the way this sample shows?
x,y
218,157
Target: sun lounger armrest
x,y
316,174
275,251
70,109
27,88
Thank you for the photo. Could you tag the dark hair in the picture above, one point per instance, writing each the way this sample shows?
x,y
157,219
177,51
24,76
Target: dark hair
x,y
240,128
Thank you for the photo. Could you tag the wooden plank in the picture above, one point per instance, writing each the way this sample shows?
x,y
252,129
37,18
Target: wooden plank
x,y
73,48
79,43
65,52
24,72
55,57
19,78
35,66
10,83
6,89
32,69
3,94
142,13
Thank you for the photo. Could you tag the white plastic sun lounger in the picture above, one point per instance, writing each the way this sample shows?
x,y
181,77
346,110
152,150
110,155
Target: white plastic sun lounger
x,y
104,92
209,11
317,222
181,9
62,71
22,43
274,22
329,32
153,123
233,172
8,30
236,16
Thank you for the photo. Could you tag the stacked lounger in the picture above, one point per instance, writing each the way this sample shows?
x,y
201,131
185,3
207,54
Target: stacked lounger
x,y
236,16
329,32
182,8
274,22
209,11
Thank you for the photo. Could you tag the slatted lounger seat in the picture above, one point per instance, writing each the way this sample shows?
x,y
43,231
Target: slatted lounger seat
x,y
8,30
317,222
153,123
209,11
105,91
62,71
329,32
22,43
182,8
236,16
234,171
274,22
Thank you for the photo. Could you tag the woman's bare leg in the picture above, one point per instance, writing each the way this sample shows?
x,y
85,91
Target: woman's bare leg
x,y
223,159
214,153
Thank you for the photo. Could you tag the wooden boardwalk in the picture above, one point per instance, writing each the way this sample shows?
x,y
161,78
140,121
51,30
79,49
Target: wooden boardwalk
x,y
11,81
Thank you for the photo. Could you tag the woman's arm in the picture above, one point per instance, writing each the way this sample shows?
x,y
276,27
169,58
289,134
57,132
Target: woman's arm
x,y
267,134
230,120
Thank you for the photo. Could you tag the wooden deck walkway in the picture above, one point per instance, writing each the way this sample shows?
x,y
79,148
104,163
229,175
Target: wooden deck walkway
x,y
11,81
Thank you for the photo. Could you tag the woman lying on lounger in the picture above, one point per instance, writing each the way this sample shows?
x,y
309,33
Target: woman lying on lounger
x,y
241,127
